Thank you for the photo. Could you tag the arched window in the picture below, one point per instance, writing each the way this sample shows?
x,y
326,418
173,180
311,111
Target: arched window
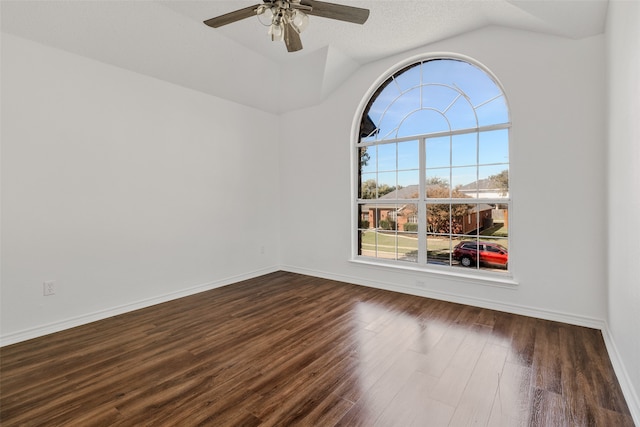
x,y
433,169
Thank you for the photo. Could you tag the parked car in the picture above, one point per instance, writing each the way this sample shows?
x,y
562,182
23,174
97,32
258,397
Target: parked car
x,y
490,254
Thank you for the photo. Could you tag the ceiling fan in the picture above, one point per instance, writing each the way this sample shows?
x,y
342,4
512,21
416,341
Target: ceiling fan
x,y
288,18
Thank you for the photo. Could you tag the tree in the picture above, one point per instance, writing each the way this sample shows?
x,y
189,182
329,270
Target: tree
x,y
368,189
445,217
502,181
386,189
371,190
364,157
441,217
436,180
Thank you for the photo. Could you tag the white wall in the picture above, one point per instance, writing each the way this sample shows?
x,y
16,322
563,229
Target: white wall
x,y
124,189
623,46
556,90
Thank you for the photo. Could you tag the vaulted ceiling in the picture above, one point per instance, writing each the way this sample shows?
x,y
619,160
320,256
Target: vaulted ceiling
x,y
166,39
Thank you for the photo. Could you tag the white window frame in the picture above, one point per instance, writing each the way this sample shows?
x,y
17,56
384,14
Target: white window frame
x,y
474,275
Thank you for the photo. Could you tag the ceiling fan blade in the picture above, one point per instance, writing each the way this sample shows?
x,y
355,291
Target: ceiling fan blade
x,y
292,38
340,12
230,17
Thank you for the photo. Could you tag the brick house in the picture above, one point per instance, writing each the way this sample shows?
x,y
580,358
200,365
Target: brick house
x,y
382,215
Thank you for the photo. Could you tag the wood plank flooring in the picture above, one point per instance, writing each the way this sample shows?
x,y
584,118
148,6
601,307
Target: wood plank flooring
x,y
286,349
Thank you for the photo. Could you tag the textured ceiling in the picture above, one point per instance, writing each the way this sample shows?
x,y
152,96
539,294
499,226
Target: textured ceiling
x,y
166,39
400,25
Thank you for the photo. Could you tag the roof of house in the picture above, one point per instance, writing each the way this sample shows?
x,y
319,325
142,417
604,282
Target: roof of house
x,y
408,192
481,184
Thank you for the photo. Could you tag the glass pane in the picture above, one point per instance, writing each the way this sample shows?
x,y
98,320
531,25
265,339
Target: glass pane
x,y
463,219
465,252
477,84
388,218
408,184
435,70
408,218
461,115
438,152
374,216
437,96
408,234
438,249
386,183
368,243
493,255
497,227
423,122
464,149
494,181
367,159
409,78
494,147
364,217
439,218
408,155
387,157
404,112
388,126
368,186
465,181
408,247
382,101
494,112
437,182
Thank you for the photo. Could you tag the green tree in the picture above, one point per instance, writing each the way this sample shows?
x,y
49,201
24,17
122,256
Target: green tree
x,y
364,157
502,181
371,190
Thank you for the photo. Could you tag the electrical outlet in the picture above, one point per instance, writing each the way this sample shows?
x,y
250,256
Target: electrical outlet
x,y
421,284
262,250
49,288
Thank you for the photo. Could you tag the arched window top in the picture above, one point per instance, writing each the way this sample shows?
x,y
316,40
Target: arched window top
x,y
440,95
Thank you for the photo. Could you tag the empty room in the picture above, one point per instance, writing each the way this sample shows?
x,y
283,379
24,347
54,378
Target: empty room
x,y
298,212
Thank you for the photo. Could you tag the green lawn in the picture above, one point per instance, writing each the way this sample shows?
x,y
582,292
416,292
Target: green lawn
x,y
498,230
407,245
387,242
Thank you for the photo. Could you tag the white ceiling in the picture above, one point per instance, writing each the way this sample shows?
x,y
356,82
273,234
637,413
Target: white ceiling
x,y
166,39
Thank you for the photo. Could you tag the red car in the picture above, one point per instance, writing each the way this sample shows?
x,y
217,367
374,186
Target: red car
x,y
491,254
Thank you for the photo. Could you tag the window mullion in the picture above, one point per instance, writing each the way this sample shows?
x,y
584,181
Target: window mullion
x,y
422,206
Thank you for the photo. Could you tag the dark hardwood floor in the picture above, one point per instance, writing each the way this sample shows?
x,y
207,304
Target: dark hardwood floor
x,y
287,349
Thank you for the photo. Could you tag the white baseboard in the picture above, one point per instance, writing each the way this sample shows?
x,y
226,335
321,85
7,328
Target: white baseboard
x,y
630,394
58,326
538,313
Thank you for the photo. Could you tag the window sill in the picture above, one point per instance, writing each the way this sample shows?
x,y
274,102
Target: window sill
x,y
500,279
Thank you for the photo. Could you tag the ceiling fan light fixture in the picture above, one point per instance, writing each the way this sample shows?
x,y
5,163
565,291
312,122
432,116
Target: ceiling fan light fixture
x,y
265,15
300,20
276,31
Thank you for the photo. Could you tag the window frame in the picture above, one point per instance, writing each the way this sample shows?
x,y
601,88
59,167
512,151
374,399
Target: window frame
x,y
476,275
